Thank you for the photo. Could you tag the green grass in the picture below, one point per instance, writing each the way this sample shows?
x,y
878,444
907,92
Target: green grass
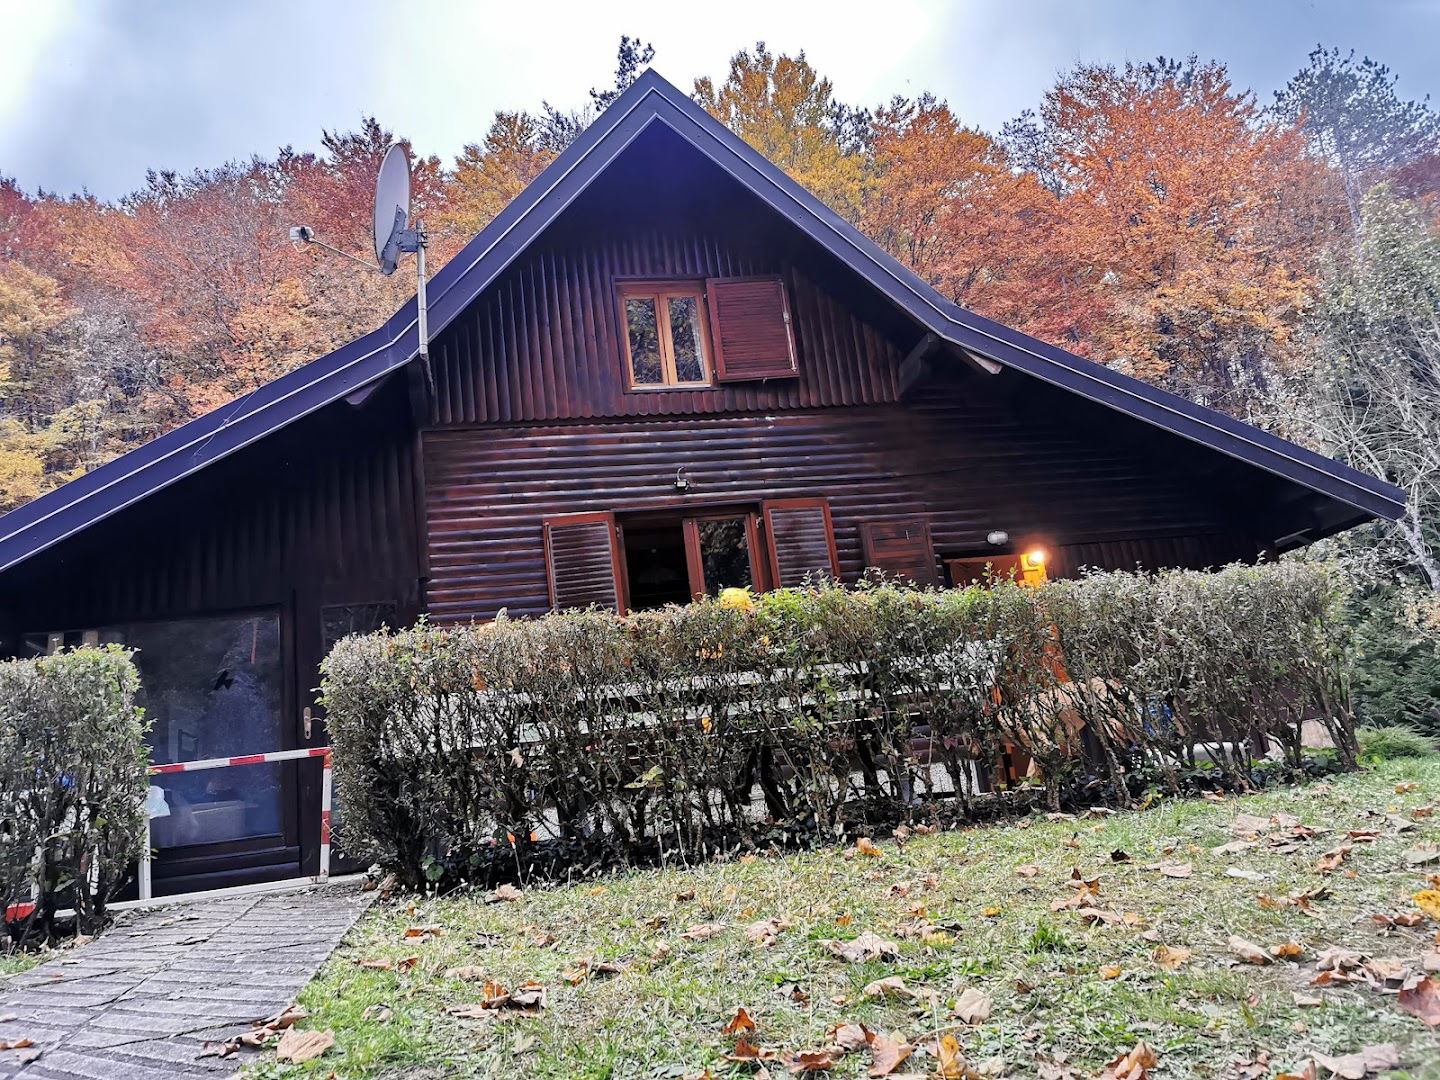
x,y
662,1017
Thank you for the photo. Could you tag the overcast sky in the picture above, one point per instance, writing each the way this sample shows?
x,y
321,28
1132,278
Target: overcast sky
x,y
94,92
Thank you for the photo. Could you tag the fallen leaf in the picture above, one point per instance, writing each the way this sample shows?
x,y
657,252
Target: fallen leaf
x,y
741,1021
1119,856
1174,869
377,1013
1234,847
863,949
800,1061
890,986
951,1063
1332,859
1372,1059
746,1051
1306,1001
1248,951
1249,825
1244,875
794,991
432,930
866,846
765,932
297,1046
209,1048
1286,950
584,969
1428,901
1422,1000
285,1018
1422,853
703,932
1171,957
1111,971
1028,870
972,1006
1409,785
504,893
405,963
1134,1064
991,912
887,1054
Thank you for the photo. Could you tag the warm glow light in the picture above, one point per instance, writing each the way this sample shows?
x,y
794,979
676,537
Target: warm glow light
x,y
1036,557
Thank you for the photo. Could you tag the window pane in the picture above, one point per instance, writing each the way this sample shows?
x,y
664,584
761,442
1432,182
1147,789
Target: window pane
x,y
211,688
724,554
644,341
688,338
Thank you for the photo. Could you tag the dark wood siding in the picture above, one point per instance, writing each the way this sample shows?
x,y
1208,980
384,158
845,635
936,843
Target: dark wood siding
x,y
545,343
964,465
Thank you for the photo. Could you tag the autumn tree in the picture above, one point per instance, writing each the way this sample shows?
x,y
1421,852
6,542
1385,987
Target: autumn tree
x,y
946,200
782,107
1189,221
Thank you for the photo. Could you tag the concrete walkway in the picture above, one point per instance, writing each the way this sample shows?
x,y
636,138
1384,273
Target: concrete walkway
x,y
140,1000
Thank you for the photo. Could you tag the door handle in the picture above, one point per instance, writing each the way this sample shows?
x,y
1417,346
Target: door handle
x,y
309,722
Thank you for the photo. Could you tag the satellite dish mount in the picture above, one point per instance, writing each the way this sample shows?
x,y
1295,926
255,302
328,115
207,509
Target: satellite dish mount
x,y
393,236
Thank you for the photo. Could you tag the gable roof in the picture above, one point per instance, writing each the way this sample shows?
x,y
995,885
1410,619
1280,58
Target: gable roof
x,y
163,461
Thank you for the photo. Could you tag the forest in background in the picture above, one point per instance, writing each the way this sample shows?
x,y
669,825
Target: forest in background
x,y
1279,260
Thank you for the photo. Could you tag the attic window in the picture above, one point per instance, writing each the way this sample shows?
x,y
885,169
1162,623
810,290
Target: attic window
x,y
667,334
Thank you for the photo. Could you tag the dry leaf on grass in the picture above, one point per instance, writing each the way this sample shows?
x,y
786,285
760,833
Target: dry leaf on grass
x,y
862,949
1111,971
1173,869
1332,859
1422,1000
377,1013
887,1053
950,1061
297,1046
765,932
1028,870
1248,951
890,986
746,1051
581,970
1422,853
1306,1001
703,932
850,1036
741,1021
1409,785
1134,1064
1171,957
972,1006
1428,901
431,930
1249,825
1234,847
1373,1059
803,1061
1286,950
528,998
866,846
502,894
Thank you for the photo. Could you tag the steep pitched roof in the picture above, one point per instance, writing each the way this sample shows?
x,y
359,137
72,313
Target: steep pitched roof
x,y
161,462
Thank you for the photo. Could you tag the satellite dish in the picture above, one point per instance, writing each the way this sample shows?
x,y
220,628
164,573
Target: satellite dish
x,y
392,207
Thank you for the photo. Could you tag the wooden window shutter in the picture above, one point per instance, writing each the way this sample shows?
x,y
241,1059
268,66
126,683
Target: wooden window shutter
x,y
801,540
902,548
582,558
750,329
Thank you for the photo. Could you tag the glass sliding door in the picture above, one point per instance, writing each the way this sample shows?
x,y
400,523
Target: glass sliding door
x,y
212,687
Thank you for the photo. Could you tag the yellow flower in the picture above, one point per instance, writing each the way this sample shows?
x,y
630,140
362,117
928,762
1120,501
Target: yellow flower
x,y
1428,900
734,599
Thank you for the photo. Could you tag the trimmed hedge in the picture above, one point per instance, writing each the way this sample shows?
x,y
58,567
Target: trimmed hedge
x,y
580,738
73,780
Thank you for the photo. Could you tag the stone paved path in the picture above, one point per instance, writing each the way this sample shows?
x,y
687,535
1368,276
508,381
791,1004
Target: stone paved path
x,y
138,1002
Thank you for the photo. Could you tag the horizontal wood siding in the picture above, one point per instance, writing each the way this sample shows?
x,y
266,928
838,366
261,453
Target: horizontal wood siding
x,y
963,465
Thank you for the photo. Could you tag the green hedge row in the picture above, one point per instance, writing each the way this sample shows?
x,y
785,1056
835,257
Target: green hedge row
x,y
73,780
803,713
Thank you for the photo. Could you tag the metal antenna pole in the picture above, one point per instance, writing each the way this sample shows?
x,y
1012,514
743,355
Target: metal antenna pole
x,y
422,319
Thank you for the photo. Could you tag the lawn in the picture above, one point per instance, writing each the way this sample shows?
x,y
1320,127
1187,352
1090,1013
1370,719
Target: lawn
x,y
1001,916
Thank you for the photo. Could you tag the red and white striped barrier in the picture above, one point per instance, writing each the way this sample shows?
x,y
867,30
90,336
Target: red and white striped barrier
x,y
201,764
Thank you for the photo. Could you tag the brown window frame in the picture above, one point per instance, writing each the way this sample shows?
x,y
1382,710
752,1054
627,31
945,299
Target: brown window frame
x,y
759,560
767,511
621,585
661,291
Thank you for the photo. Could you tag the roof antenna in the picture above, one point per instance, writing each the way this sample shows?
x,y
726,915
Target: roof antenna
x,y
392,237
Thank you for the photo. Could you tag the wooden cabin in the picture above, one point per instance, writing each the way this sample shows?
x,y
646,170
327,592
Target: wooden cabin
x,y
663,370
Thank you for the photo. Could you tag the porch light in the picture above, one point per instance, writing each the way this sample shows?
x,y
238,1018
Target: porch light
x,y
1035,558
